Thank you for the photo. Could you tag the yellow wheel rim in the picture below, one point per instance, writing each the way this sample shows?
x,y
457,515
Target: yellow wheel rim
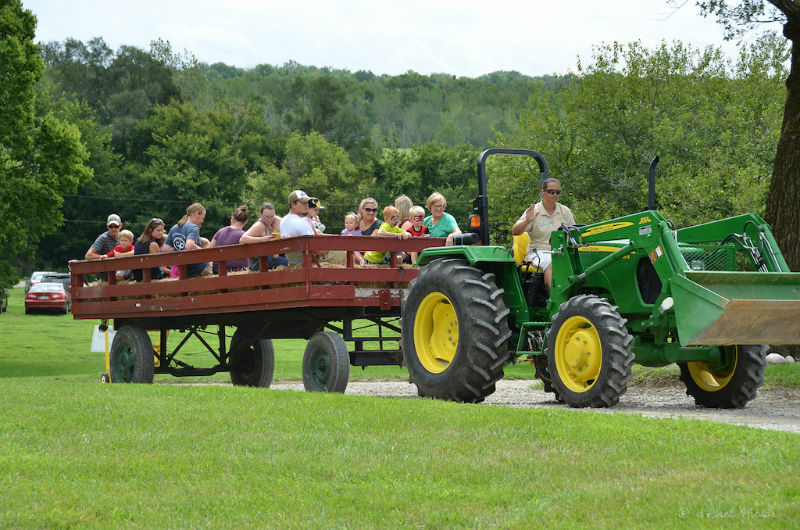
x,y
578,354
436,332
708,378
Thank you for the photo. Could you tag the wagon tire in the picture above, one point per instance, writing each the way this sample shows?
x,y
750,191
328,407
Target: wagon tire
x,y
131,356
326,363
455,331
252,363
729,387
543,373
588,352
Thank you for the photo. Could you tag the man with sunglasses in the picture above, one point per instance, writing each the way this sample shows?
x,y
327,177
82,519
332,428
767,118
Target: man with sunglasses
x,y
539,220
106,241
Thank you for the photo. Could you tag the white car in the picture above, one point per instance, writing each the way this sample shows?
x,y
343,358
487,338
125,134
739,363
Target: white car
x,y
35,278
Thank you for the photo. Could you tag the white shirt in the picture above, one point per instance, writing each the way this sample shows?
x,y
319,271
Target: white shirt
x,y
294,225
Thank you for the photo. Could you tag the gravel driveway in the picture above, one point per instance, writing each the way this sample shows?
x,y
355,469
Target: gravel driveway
x,y
777,409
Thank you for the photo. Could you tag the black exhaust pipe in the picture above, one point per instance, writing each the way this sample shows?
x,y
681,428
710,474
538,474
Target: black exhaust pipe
x,y
651,184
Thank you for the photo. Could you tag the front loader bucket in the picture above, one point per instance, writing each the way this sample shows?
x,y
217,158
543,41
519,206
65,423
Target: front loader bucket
x,y
723,308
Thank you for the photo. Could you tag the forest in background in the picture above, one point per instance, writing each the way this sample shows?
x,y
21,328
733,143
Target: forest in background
x,y
162,130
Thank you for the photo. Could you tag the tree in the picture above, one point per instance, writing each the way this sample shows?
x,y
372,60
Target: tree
x,y
711,121
782,212
41,156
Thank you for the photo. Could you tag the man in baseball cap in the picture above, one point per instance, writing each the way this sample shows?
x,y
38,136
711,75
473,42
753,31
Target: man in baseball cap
x,y
106,241
294,223
298,195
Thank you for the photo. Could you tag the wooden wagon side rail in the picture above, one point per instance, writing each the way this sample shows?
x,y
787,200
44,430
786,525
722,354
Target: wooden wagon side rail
x,y
309,284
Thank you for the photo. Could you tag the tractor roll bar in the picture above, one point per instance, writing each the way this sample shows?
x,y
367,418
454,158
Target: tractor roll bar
x,y
480,205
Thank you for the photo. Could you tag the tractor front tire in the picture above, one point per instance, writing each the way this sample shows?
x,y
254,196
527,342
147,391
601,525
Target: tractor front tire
x,y
252,363
326,363
131,356
589,354
731,386
455,331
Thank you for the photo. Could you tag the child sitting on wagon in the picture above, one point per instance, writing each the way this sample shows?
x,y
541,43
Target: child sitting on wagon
x,y
389,228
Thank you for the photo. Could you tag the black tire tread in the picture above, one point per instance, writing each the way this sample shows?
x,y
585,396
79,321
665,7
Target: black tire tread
x,y
336,349
140,344
743,386
615,371
482,353
252,363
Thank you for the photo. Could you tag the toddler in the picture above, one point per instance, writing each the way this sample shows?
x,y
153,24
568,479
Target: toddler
x,y
417,228
351,225
389,228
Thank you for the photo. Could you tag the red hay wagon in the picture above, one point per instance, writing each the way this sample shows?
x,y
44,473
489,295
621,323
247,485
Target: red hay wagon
x,y
318,299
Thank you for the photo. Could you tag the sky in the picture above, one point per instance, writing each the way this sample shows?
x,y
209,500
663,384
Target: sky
x,y
458,37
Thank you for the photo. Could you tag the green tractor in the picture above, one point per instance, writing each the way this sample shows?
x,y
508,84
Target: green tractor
x,y
633,289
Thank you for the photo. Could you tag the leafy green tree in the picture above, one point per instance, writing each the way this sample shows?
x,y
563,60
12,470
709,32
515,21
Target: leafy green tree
x,y
121,87
324,170
781,212
199,156
423,169
84,211
41,156
710,121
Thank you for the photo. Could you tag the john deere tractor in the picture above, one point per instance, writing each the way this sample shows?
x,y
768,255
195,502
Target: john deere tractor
x,y
629,290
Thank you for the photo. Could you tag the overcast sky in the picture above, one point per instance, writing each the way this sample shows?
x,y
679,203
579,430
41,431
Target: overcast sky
x,y
459,37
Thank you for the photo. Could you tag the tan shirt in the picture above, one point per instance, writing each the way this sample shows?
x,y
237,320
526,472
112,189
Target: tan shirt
x,y
540,228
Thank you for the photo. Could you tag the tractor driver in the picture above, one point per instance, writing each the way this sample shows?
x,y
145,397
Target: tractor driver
x,y
539,220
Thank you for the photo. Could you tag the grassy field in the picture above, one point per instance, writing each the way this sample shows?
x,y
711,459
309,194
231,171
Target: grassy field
x,y
74,452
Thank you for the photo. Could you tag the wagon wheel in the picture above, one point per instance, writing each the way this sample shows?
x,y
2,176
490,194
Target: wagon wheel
x,y
326,363
131,356
455,331
589,355
730,385
252,363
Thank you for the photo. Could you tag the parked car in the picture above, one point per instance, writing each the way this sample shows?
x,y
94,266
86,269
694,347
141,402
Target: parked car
x,y
48,295
35,278
4,301
59,277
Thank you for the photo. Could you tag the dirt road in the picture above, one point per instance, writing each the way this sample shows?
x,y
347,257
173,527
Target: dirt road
x,y
777,409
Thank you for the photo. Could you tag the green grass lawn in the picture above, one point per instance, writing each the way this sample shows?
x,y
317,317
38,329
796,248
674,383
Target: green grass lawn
x,y
74,452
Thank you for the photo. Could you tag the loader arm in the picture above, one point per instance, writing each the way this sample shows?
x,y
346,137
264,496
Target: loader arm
x,y
735,287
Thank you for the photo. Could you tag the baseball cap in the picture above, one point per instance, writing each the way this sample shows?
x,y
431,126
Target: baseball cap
x,y
113,219
313,202
298,195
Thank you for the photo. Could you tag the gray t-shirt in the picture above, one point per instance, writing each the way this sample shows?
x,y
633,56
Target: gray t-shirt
x,y
104,243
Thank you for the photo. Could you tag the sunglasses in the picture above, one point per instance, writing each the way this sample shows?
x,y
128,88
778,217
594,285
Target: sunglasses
x,y
553,192
370,209
156,220
418,218
113,226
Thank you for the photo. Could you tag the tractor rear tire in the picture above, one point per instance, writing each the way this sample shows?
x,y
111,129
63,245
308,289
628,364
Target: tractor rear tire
x,y
455,331
252,363
132,356
543,374
731,387
589,354
326,363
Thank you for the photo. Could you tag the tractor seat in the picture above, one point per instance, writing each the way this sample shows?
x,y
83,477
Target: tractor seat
x,y
519,249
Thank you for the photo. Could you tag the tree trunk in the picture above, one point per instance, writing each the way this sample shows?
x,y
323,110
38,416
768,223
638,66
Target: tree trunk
x,y
783,199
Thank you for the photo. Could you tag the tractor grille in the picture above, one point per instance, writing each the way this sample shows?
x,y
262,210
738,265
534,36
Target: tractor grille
x,y
718,258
